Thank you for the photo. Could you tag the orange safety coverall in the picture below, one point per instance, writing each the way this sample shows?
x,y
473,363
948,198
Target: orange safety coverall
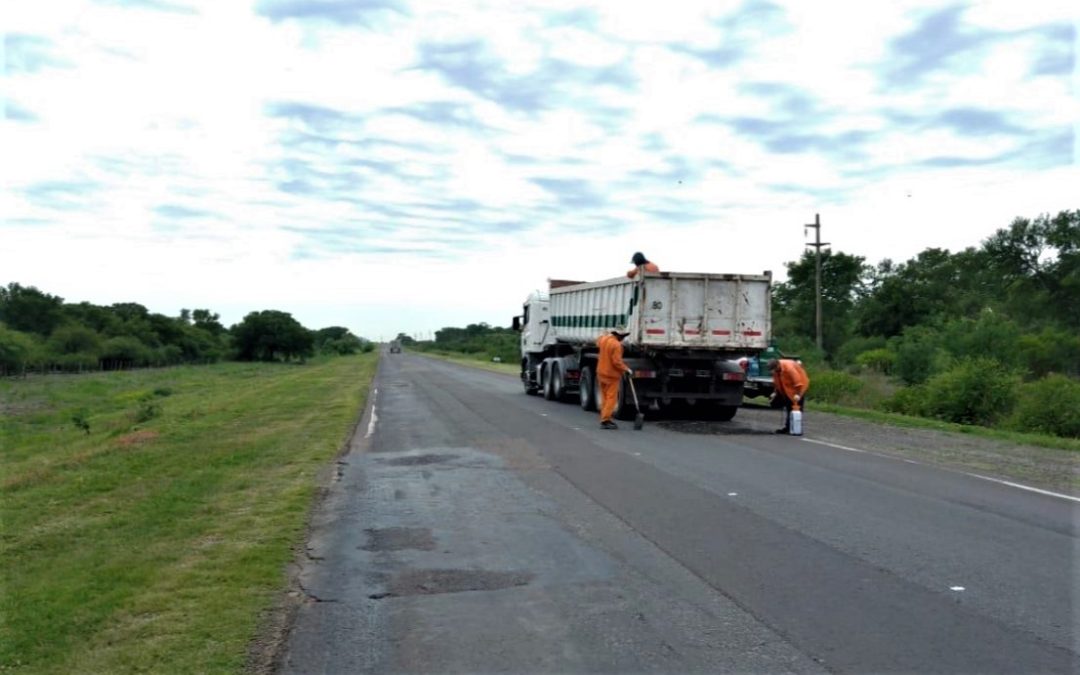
x,y
609,370
790,380
649,267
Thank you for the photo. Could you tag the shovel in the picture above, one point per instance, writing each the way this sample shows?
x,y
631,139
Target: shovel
x,y
639,419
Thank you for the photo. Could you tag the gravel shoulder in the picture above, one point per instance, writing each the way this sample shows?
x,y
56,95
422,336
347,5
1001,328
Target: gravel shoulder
x,y
1044,468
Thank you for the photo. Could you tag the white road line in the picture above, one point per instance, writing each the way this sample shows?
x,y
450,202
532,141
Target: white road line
x,y
1018,486
834,445
374,416
1024,487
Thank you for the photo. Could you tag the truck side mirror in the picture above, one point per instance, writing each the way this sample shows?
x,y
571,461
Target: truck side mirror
x,y
516,325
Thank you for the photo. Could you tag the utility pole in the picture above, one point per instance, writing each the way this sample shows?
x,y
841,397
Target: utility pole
x,y
817,272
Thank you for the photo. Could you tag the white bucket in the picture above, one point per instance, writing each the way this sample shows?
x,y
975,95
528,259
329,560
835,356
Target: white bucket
x,y
796,423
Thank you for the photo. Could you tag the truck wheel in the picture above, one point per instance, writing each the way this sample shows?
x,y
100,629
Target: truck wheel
x,y
549,388
724,413
530,388
558,385
587,394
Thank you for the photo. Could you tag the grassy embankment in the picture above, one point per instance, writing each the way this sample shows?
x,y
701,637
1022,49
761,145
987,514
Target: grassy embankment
x,y
148,516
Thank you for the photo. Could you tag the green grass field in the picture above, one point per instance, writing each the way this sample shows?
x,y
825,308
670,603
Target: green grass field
x,y
148,517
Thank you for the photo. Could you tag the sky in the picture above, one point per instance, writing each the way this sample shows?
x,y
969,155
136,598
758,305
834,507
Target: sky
x,y
400,166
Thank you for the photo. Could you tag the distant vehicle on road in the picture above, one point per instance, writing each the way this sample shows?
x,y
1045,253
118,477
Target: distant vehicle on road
x,y
395,347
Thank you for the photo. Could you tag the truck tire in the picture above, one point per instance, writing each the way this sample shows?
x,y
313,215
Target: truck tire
x,y
724,413
587,390
549,388
526,381
558,385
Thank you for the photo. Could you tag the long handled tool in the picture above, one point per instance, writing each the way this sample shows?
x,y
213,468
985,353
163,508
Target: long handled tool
x,y
639,419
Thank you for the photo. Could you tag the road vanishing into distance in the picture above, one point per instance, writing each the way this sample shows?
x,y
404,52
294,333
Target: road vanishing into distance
x,y
474,529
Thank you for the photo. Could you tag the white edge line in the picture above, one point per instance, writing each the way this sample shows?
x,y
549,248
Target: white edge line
x,y
1024,487
1018,486
374,416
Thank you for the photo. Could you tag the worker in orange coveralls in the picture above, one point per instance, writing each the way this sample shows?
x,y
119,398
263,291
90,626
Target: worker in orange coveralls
x,y
641,262
609,370
790,383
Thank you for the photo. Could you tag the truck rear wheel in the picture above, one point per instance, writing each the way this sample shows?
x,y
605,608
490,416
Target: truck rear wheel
x,y
558,385
587,390
548,386
723,413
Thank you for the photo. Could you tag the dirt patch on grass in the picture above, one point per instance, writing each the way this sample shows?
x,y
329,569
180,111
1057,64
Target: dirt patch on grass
x,y
136,437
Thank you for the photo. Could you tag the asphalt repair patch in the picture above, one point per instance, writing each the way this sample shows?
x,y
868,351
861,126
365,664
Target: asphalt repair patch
x,y
434,582
417,460
712,428
399,539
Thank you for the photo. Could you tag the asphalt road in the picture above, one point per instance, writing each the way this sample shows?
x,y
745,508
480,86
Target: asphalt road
x,y
472,528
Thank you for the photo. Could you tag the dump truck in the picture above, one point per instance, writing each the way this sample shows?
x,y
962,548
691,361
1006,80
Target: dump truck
x,y
688,333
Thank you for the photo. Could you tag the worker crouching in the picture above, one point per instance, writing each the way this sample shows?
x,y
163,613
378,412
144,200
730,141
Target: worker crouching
x,y
790,384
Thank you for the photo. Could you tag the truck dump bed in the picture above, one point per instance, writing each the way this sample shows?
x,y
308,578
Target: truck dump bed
x,y
667,310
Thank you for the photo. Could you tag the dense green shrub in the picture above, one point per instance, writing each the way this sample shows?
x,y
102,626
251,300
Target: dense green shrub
x,y
74,339
919,354
878,360
974,391
850,351
16,350
834,386
1048,406
907,401
991,336
1050,351
123,351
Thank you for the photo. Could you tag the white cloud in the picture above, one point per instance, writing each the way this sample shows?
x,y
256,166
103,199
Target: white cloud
x,y
182,188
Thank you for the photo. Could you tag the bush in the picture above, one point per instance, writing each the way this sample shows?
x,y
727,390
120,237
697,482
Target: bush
x,y
919,354
878,360
849,352
833,386
16,350
907,401
975,391
1051,351
1049,406
123,351
991,336
74,339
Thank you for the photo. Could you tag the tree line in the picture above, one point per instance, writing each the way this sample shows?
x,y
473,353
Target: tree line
x,y
39,332
479,340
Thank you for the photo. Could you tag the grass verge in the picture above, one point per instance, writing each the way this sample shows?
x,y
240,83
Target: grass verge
x,y
1039,440
148,517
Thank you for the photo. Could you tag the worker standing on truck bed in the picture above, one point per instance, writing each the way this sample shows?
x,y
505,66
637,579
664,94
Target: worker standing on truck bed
x,y
790,383
609,370
641,262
